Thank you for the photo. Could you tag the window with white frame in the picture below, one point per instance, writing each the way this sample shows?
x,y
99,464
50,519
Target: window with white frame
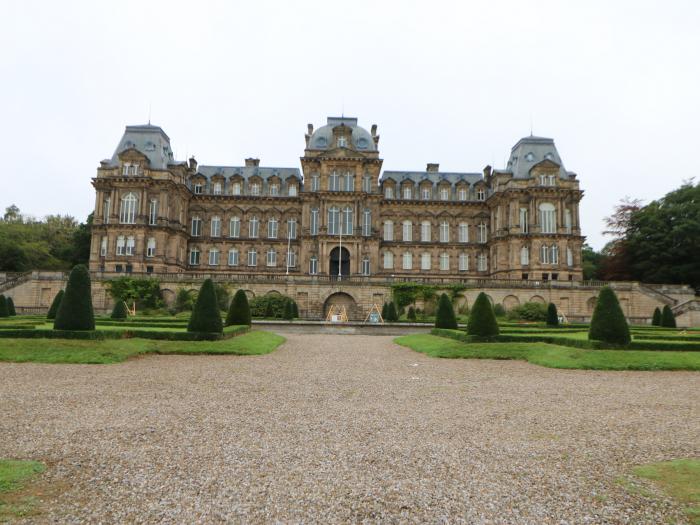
x,y
213,257
334,181
236,188
483,233
463,232
130,245
272,225
274,190
218,188
106,210
313,224
153,212
216,226
463,262
388,230
444,261
233,257
198,188
253,227
196,229
548,180
425,231
194,256
549,254
151,247
313,265
407,231
291,229
407,261
130,169
407,192
389,192
342,142
444,231
127,211
524,220
315,182
252,258
426,193
333,220
347,221
524,256
569,257
365,265
567,220
462,194
481,194
444,193
482,262
388,260
349,182
548,218
366,223
234,227
121,244
292,190
103,246
291,259
367,184
255,188
425,261
271,258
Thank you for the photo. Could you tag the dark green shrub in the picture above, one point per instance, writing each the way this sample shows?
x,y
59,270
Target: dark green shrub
x,y
11,307
145,292
223,297
239,311
288,310
552,315
295,309
54,305
269,305
119,311
445,316
499,311
384,311
269,311
4,310
411,315
75,311
205,316
482,320
668,320
656,318
528,312
185,299
391,314
608,323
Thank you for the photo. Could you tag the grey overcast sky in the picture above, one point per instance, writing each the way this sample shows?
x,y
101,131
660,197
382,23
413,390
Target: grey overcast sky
x,y
615,83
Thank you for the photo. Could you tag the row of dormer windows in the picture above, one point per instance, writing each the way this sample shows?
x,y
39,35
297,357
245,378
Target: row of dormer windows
x,y
444,193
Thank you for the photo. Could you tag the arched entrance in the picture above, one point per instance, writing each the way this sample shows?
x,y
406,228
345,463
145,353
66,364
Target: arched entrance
x,y
340,260
341,299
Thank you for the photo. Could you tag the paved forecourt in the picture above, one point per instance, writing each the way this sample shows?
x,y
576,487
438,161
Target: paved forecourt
x,y
336,428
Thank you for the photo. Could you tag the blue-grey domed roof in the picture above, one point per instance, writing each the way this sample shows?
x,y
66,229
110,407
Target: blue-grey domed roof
x,y
322,138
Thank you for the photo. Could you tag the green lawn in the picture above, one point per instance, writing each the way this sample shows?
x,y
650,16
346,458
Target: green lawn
x,y
553,356
13,476
118,350
680,479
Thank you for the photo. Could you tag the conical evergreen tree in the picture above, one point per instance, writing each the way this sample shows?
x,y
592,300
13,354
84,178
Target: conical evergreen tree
x,y
54,305
482,321
391,314
445,315
295,309
239,311
656,318
552,315
11,307
384,311
119,312
411,315
4,310
608,323
206,316
75,311
288,310
668,320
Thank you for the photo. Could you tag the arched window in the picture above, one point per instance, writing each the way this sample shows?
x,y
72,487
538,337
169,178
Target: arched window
x,y
524,256
425,261
234,227
272,225
253,227
366,223
196,229
151,247
333,220
388,260
444,231
313,265
233,257
444,261
127,210
334,181
216,226
407,261
274,189
213,257
407,231
548,218
388,230
347,221
194,256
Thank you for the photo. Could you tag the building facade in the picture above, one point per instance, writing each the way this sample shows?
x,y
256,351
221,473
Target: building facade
x,y
340,217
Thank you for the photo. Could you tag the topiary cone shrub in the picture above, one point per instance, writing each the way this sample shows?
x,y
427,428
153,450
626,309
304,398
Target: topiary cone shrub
x,y
656,318
295,310
552,315
668,320
4,310
75,310
206,316
54,305
288,310
411,315
445,315
608,323
119,311
11,307
391,313
384,311
482,320
239,311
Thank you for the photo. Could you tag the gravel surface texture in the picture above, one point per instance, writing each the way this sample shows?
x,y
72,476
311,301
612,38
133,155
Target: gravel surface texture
x,y
337,429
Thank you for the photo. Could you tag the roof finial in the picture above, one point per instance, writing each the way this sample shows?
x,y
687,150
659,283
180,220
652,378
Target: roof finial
x,y
342,108
149,112
531,124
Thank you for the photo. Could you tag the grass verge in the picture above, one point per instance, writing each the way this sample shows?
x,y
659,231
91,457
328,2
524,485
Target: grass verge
x,y
552,356
680,479
13,476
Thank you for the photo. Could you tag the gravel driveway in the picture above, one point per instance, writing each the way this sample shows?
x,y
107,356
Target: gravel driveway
x,y
332,429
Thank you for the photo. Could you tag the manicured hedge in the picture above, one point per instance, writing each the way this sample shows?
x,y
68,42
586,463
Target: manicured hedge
x,y
608,323
445,315
4,310
11,307
75,311
668,320
205,316
552,315
131,322
391,314
230,331
482,321
239,310
656,318
119,311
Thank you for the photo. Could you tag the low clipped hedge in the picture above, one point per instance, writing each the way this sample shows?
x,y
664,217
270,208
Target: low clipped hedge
x,y
142,324
230,331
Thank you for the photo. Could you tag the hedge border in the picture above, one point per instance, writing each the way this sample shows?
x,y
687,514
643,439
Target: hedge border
x,y
229,332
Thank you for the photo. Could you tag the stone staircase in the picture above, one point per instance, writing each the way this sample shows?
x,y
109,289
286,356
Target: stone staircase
x,y
14,279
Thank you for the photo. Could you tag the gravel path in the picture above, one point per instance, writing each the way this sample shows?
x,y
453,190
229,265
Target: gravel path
x,y
333,429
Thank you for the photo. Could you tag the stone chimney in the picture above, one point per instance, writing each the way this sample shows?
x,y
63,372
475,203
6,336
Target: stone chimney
x,y
252,162
432,167
374,130
193,163
310,128
487,171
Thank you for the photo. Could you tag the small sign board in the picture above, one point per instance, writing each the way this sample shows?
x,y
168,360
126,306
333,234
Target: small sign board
x,y
374,316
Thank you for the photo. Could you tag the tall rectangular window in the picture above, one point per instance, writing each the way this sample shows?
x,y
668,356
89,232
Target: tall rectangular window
x,y
151,247
121,243
388,231
425,261
349,181
291,259
365,266
291,229
194,256
388,260
367,184
462,194
103,247
444,193
334,181
444,231
366,223
236,188
333,221
130,244
234,227
313,226
483,233
482,263
425,231
463,232
106,210
216,226
548,219
407,192
463,262
389,192
271,258
567,220
253,227
524,219
213,257
196,230
444,261
252,258
315,182
233,257
407,233
313,265
274,190
407,261
292,190
272,228
426,193
218,188
153,212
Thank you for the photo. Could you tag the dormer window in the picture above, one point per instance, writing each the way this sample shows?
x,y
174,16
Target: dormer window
x,y
292,190
549,156
130,169
444,194
342,142
462,194
274,189
255,188
217,188
548,180
480,194
407,192
198,188
426,194
389,192
236,188
530,157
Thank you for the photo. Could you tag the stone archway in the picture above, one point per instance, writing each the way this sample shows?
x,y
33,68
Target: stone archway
x,y
590,304
537,299
342,299
339,262
510,302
